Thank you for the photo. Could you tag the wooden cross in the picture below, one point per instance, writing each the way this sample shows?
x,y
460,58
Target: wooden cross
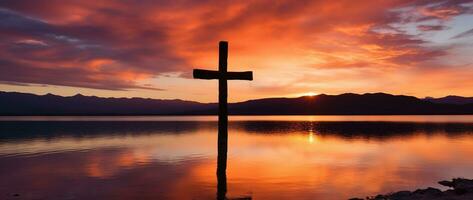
x,y
222,75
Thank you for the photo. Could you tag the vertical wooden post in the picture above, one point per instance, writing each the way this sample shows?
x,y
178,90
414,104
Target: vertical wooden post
x,y
222,75
222,121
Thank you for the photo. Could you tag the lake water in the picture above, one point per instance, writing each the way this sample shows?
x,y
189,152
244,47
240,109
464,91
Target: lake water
x,y
269,157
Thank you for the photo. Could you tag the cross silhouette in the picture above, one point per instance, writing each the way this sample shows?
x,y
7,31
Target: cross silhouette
x,y
222,75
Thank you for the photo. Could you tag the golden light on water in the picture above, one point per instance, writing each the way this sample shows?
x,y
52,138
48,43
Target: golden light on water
x,y
312,137
299,162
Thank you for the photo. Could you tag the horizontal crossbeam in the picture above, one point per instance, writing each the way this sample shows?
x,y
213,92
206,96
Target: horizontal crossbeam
x,y
248,75
206,74
211,74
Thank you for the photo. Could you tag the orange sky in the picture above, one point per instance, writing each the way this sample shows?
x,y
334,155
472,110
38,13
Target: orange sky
x,y
149,48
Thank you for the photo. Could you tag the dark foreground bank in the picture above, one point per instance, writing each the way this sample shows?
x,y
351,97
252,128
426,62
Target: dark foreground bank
x,y
462,189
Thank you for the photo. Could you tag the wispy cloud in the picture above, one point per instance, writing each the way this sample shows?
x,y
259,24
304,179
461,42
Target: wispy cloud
x,y
467,33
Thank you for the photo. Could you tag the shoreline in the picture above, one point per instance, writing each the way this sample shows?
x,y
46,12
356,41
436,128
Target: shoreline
x,y
462,189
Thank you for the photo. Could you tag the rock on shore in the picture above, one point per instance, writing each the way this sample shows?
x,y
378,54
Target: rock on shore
x,y
462,189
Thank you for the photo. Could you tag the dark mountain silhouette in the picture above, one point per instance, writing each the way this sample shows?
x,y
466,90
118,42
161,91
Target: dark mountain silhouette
x,y
451,99
13,103
348,104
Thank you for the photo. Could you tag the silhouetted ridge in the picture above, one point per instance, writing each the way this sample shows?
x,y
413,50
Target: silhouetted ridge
x,y
13,103
347,104
451,100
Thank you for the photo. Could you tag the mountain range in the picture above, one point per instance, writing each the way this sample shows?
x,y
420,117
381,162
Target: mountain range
x,y
451,100
14,103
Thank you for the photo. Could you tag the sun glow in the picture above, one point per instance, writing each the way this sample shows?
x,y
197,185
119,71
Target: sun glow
x,y
310,94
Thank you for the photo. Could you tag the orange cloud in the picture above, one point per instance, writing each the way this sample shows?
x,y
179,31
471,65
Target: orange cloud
x,y
119,46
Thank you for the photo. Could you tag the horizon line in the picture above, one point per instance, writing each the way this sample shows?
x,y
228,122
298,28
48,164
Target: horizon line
x,y
270,97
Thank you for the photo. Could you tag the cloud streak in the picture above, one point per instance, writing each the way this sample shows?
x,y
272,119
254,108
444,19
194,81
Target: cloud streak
x,y
467,33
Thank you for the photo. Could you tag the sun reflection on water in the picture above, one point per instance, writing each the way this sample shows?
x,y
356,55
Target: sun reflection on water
x,y
312,137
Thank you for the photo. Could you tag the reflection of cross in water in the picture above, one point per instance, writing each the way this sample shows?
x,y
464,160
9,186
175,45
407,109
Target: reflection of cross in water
x,y
222,75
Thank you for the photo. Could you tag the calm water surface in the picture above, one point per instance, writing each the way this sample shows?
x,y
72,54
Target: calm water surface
x,y
270,157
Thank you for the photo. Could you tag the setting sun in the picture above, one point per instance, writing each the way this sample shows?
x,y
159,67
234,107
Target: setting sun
x,y
310,94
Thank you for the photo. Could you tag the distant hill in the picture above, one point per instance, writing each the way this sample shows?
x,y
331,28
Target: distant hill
x,y
451,100
348,104
13,103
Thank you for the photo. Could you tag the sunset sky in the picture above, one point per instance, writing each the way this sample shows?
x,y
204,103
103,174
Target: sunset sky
x,y
148,48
